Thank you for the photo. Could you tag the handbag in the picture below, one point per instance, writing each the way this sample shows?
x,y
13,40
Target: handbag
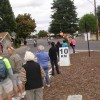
x,y
71,44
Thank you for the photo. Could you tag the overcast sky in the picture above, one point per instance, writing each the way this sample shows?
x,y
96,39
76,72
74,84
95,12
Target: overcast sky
x,y
40,10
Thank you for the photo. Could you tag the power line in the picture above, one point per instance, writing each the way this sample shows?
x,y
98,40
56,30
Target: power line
x,y
91,2
98,2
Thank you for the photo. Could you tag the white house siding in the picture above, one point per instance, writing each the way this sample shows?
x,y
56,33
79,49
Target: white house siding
x,y
6,42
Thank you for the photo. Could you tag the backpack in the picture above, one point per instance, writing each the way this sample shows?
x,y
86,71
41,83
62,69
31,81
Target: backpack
x,y
3,70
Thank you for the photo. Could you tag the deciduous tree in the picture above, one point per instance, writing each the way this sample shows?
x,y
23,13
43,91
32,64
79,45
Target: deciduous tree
x,y
42,33
25,25
90,20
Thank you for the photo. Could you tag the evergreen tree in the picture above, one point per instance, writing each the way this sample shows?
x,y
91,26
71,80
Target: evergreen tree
x,y
7,22
64,17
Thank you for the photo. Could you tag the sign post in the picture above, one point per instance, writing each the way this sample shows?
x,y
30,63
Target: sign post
x,y
64,56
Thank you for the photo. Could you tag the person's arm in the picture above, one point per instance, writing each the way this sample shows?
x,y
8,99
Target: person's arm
x,y
12,63
1,46
48,57
49,53
42,73
9,69
23,75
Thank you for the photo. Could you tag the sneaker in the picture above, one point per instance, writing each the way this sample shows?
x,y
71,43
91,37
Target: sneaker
x,y
43,87
16,98
22,95
13,98
51,74
48,85
58,73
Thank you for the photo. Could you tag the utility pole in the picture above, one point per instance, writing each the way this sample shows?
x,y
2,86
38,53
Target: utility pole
x,y
86,29
97,26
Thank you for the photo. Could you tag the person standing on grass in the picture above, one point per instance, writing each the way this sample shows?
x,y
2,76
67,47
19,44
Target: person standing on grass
x,y
43,59
6,75
73,43
16,63
53,58
31,75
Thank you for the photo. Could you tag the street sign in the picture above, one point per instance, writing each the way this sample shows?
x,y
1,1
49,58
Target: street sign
x,y
64,57
85,35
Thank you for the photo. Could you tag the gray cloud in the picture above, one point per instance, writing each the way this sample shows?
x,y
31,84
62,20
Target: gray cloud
x,y
39,10
26,3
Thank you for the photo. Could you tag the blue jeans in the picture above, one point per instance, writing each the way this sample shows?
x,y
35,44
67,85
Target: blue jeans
x,y
47,75
54,62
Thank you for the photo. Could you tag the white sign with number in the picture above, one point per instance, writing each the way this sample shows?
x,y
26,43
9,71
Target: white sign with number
x,y
64,56
85,35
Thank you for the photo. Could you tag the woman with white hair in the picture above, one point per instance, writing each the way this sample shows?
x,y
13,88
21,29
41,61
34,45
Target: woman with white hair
x,y
43,59
31,75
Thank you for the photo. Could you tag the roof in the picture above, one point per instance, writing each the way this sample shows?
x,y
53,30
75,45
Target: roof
x,y
3,35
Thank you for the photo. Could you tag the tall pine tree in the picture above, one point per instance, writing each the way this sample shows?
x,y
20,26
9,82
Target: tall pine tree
x,y
7,19
64,17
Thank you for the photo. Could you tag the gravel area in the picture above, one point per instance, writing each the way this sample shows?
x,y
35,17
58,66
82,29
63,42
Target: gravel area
x,y
82,78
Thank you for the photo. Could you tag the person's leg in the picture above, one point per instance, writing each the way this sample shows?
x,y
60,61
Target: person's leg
x,y
1,92
15,85
1,97
30,94
73,48
52,65
39,94
8,87
57,68
15,91
47,77
20,86
2,50
9,97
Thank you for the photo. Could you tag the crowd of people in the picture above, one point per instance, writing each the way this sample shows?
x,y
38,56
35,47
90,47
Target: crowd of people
x,y
31,77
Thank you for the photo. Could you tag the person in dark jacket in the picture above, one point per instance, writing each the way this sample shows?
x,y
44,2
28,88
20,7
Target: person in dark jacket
x,y
53,57
58,45
32,78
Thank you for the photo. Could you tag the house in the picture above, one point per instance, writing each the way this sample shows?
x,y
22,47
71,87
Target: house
x,y
5,39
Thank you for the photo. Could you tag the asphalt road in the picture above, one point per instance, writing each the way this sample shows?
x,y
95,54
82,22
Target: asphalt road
x,y
81,45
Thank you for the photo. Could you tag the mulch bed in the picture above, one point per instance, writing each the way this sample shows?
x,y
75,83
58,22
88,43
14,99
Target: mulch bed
x,y
82,78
